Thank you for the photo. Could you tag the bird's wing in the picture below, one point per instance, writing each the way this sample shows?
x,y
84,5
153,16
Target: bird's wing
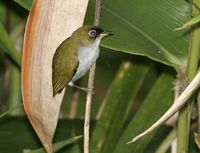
x,y
64,66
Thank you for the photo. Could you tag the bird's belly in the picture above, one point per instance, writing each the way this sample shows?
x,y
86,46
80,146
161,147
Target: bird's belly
x,y
87,57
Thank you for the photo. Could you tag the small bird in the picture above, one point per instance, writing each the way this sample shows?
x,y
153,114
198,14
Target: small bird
x,y
75,55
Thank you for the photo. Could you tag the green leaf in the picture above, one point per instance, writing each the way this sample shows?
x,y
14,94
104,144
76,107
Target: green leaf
x,y
124,88
8,46
2,77
155,104
16,134
159,140
146,28
2,12
59,145
25,3
14,95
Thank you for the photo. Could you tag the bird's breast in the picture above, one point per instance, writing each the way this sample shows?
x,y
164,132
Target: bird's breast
x,y
87,56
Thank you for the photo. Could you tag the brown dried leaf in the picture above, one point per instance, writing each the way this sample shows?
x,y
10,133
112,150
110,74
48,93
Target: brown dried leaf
x,y
49,23
197,139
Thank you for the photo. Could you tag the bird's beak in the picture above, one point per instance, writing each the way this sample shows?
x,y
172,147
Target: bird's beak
x,y
106,33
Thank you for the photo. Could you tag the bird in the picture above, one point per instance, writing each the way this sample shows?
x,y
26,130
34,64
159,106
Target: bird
x,y
75,55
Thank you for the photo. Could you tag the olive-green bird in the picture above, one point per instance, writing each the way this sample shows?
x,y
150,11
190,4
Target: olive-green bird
x,y
75,55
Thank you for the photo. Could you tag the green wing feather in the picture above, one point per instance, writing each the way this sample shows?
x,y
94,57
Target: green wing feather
x,y
64,65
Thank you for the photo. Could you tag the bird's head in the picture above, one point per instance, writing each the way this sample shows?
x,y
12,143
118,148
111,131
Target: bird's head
x,y
90,34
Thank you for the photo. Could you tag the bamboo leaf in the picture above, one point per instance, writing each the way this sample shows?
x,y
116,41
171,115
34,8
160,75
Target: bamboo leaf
x,y
14,95
117,103
146,28
2,76
155,104
8,46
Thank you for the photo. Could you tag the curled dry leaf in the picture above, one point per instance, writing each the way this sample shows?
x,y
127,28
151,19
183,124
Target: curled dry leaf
x,y
179,102
49,23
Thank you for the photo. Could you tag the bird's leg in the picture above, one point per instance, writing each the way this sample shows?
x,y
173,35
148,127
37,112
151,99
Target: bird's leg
x,y
81,88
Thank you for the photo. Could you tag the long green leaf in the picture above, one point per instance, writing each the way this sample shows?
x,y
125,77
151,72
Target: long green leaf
x,y
14,95
8,46
2,77
124,88
2,12
154,105
145,28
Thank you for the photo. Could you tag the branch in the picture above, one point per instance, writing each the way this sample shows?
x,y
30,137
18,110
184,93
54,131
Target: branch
x,y
90,86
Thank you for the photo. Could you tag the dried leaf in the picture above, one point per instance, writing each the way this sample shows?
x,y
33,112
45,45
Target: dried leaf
x,y
179,102
197,139
49,23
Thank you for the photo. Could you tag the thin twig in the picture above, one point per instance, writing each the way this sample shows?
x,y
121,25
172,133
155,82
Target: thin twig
x,y
97,12
88,109
90,86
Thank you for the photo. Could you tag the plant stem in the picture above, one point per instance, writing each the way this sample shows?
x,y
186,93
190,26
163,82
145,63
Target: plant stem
x,y
184,113
88,109
90,86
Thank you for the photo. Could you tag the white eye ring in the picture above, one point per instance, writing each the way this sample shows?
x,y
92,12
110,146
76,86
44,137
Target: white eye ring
x,y
92,33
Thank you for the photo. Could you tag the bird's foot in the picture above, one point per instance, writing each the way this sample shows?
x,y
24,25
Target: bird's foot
x,y
84,89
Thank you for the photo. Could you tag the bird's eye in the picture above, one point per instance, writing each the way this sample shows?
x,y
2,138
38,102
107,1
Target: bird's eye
x,y
92,33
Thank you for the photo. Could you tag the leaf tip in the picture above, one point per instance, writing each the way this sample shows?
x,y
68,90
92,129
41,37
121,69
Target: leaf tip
x,y
179,28
136,138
